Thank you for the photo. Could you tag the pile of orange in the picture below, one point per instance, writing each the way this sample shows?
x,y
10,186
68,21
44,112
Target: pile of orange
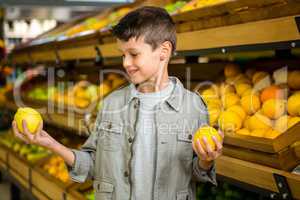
x,y
255,103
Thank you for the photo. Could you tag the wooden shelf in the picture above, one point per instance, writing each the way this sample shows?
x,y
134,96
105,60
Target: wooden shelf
x,y
257,175
230,24
279,30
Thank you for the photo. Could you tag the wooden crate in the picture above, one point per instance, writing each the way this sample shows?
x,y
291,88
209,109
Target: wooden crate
x,y
284,159
77,191
255,174
48,186
3,153
264,144
297,149
234,12
20,179
39,195
18,166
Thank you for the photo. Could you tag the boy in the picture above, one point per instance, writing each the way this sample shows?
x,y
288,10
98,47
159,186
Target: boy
x,y
142,147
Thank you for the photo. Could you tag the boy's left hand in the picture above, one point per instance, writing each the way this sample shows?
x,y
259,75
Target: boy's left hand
x,y
207,155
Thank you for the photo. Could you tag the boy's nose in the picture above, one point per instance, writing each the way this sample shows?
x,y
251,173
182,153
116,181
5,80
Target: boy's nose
x,y
127,62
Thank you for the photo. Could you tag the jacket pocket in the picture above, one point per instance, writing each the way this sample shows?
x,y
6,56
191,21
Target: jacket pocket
x,y
183,195
110,135
103,190
184,145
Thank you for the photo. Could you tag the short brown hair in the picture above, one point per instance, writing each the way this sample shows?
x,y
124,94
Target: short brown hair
x,y
154,23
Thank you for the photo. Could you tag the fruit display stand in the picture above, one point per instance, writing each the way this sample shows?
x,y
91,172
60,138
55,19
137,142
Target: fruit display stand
x,y
228,22
277,184
277,153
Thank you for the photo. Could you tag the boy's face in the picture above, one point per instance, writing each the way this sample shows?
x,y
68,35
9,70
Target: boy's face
x,y
141,62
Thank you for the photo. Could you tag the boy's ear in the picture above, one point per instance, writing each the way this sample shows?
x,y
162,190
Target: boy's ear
x,y
166,50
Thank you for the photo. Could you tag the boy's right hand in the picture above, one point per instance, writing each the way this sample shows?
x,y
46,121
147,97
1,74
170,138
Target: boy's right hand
x,y
41,138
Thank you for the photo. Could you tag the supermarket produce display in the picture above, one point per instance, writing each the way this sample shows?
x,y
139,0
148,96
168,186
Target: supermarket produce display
x,y
249,82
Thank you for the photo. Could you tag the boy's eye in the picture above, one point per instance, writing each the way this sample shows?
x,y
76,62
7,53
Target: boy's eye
x,y
133,54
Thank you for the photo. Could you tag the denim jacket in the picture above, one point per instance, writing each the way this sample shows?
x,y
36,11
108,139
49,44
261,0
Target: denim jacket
x,y
107,154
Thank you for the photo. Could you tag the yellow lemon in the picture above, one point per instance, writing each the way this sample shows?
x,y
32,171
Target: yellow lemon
x,y
274,108
239,110
213,101
293,104
259,121
31,117
104,89
281,124
208,132
208,93
225,88
250,103
246,122
213,112
241,88
230,99
229,121
242,79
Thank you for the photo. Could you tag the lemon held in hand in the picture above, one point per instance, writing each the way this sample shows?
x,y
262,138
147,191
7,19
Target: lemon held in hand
x,y
32,118
208,132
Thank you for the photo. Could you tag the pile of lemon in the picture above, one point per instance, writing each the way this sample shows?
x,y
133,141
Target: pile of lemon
x,y
256,103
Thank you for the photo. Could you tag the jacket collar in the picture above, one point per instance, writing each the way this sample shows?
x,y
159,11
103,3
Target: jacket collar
x,y
174,101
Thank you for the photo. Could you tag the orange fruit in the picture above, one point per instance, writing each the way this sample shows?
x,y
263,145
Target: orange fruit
x,y
231,70
271,92
274,108
208,132
250,103
31,117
